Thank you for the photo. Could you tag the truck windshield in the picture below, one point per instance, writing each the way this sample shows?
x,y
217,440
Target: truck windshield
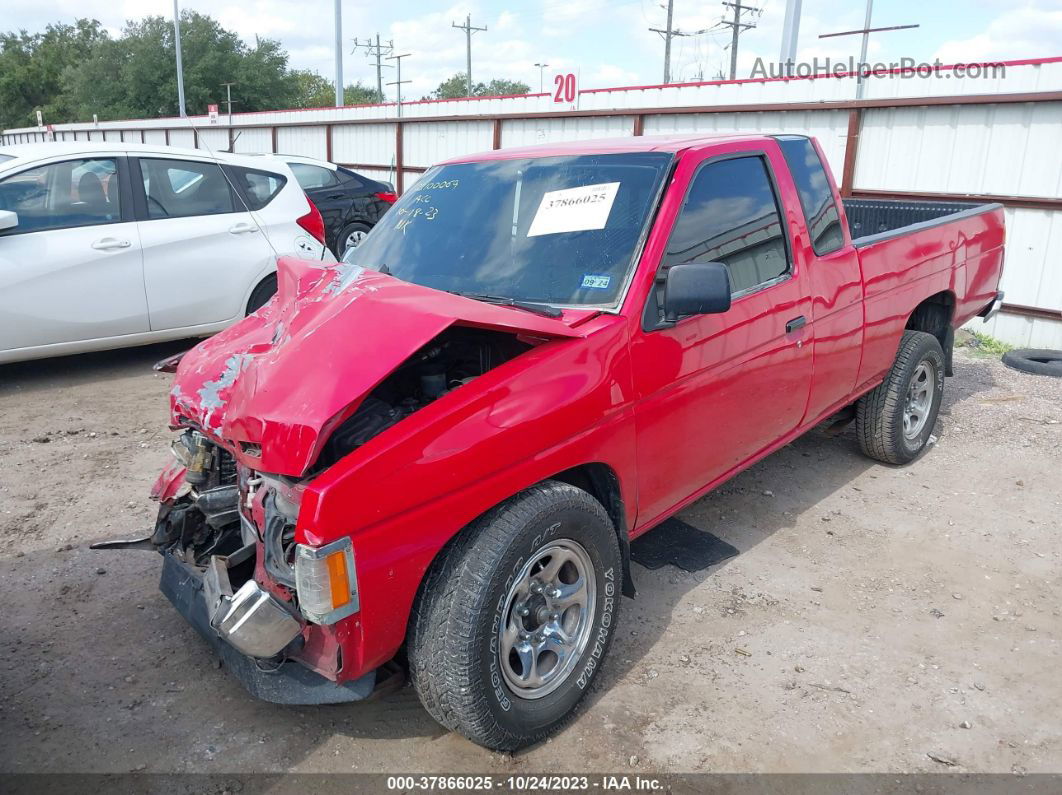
x,y
552,230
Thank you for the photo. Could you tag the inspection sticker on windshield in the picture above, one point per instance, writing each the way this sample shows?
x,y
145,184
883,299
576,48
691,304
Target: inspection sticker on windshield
x,y
574,209
596,282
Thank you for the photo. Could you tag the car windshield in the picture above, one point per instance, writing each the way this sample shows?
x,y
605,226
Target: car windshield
x,y
552,230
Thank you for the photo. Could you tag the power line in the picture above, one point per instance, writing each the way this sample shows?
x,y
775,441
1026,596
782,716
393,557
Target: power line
x,y
377,50
469,30
736,26
667,35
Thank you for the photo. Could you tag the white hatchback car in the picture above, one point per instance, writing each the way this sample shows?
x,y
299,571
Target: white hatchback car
x,y
106,245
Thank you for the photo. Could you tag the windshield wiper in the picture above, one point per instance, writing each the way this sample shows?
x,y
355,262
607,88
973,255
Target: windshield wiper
x,y
539,309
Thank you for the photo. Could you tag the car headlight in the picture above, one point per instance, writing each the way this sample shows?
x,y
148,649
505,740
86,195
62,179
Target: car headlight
x,y
326,581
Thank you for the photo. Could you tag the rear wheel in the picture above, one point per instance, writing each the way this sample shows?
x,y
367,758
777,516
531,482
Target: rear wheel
x,y
262,293
895,420
350,237
513,622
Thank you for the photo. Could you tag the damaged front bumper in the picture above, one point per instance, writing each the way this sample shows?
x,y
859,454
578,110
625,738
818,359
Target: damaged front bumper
x,y
252,621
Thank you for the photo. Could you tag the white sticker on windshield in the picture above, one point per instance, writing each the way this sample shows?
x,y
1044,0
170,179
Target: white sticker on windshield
x,y
574,209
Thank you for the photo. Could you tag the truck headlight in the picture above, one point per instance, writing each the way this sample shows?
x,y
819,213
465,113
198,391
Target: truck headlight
x,y
326,581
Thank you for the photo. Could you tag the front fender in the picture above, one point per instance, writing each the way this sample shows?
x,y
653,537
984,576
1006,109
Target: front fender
x,y
405,494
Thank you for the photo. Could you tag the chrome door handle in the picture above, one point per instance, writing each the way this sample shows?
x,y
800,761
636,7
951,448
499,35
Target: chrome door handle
x,y
241,228
108,243
795,323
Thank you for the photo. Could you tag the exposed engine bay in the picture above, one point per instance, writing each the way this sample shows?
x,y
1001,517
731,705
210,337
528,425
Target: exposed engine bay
x,y
454,358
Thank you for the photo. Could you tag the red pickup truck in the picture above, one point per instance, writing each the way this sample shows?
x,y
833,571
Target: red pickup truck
x,y
430,459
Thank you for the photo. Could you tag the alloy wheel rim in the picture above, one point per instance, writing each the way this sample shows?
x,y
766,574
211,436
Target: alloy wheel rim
x,y
355,237
919,399
548,619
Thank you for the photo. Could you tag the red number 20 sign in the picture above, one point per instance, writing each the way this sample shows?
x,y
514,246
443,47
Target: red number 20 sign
x,y
565,88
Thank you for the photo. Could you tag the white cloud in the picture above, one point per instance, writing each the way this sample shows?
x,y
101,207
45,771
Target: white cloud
x,y
1029,31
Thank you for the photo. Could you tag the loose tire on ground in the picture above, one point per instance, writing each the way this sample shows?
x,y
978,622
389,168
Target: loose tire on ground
x,y
262,293
474,594
911,390
1037,361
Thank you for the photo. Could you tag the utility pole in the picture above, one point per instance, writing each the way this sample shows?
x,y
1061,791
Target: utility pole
x,y
469,30
377,50
790,33
228,102
541,67
339,53
177,46
865,32
737,26
398,77
228,99
667,35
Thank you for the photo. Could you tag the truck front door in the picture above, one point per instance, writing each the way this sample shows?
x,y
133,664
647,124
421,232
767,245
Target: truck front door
x,y
714,390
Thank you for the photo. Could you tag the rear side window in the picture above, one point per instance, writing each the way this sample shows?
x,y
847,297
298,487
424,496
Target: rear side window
x,y
180,188
73,193
259,187
731,216
310,177
816,198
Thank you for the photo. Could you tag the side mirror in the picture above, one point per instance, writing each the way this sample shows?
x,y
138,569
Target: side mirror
x,y
8,220
696,288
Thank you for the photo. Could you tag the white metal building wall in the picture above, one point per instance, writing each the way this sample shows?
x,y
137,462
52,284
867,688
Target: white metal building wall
x,y
829,126
1001,149
1006,150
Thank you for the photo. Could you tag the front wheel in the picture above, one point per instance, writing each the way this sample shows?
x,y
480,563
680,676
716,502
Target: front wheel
x,y
514,621
895,420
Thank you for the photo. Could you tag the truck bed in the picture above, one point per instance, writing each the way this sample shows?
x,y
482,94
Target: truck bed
x,y
872,220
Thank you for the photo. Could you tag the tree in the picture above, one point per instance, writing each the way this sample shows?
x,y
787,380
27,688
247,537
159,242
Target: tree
x,y
357,94
32,69
457,86
312,90
73,72
315,91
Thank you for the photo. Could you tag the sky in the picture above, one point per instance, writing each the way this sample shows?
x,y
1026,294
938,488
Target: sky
x,y
605,42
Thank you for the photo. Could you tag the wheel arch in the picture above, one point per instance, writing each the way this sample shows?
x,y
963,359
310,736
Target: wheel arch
x,y
602,483
597,479
272,274
934,315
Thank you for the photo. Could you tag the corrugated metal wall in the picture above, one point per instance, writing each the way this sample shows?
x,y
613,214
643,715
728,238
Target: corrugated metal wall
x,y
1000,149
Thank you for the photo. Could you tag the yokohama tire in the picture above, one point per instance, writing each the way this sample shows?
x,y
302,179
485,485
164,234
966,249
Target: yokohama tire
x,y
457,629
891,425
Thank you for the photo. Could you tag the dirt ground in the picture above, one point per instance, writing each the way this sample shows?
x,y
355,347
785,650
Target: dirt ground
x,y
877,619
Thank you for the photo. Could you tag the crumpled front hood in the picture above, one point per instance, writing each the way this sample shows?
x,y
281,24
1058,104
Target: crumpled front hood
x,y
282,379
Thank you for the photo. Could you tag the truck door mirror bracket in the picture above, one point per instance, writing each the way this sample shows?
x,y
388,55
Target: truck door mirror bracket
x,y
696,288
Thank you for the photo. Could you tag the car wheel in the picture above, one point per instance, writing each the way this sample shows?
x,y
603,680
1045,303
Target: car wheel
x,y
895,420
351,237
262,293
515,618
